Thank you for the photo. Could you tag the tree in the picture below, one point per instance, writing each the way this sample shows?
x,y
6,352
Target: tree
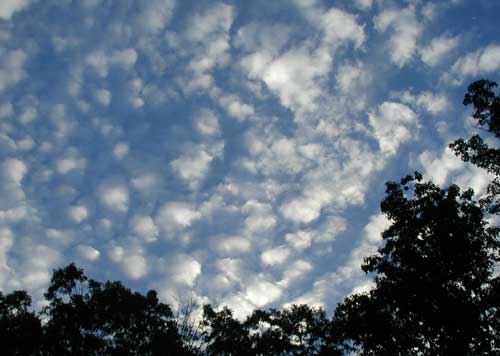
x,y
486,105
86,317
435,292
20,329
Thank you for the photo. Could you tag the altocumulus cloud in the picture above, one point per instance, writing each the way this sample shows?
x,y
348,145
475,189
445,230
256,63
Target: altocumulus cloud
x,y
225,151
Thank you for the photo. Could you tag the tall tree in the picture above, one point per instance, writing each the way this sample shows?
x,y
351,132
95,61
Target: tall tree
x,y
435,291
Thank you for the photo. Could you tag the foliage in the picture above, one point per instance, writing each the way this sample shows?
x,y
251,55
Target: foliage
x,y
435,291
486,105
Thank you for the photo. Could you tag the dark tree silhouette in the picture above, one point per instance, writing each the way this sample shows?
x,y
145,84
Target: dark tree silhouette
x,y
20,328
86,317
435,291
486,105
298,330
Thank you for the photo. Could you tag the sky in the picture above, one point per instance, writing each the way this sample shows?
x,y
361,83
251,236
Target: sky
x,y
226,152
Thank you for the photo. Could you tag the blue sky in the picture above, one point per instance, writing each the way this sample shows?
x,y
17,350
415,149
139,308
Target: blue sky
x,y
232,152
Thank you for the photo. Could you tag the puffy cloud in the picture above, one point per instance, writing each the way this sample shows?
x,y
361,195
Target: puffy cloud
x,y
145,227
393,124
432,102
193,166
485,60
14,170
184,270
114,196
103,96
405,32
120,150
78,213
437,49
131,259
341,27
6,243
275,256
10,7
262,292
232,245
303,210
207,123
88,253
235,108
176,215
260,216
440,168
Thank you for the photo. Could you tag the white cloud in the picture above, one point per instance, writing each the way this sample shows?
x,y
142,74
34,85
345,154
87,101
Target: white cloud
x,y
260,216
134,265
114,196
393,124
145,227
193,166
235,108
176,215
341,27
262,292
445,166
184,270
405,32
78,213
10,7
275,256
300,240
14,170
432,102
125,58
155,14
6,243
485,60
103,96
439,47
233,245
295,271
207,123
303,210
120,150
88,252
71,162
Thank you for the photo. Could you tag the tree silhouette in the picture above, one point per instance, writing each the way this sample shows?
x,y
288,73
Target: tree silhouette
x,y
86,317
20,328
486,105
435,292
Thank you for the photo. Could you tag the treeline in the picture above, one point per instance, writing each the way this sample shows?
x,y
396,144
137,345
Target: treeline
x,y
436,288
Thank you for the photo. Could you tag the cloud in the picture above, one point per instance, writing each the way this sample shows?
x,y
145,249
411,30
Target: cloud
x,y
176,215
78,213
438,49
483,61
88,253
406,30
275,256
14,170
10,7
262,292
184,270
393,124
114,196
443,166
431,102
145,227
